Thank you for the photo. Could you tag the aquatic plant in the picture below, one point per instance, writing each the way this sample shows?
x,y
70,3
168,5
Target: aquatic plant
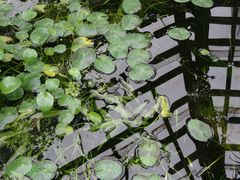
x,y
200,3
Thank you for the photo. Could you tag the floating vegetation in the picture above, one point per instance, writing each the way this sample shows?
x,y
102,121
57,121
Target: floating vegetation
x,y
179,33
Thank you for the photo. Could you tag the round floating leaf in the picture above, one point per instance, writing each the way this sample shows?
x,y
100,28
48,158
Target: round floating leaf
x,y
94,117
61,48
52,84
27,106
63,129
182,1
137,56
19,167
49,51
108,169
9,84
65,100
97,17
74,6
149,153
34,67
45,101
132,6
43,170
75,73
50,71
137,40
104,64
179,33
81,42
1,54
21,35
119,49
130,22
102,27
199,130
115,33
28,14
141,72
4,21
140,177
30,55
65,117
6,7
203,3
64,28
15,95
86,30
7,115
39,36
83,58
44,23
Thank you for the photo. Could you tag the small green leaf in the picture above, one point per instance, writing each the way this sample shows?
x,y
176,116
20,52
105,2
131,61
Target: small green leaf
x,y
28,14
22,35
96,17
9,84
49,51
86,30
119,49
4,21
74,6
65,100
15,95
137,56
44,23
75,73
65,117
27,106
7,115
43,170
30,55
182,1
81,42
52,84
45,101
64,28
104,64
1,54
19,167
58,93
137,40
6,8
203,3
130,22
132,6
115,33
39,36
61,48
63,129
141,72
94,117
179,33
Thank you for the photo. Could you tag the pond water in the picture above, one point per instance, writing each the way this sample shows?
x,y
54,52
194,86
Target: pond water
x,y
195,86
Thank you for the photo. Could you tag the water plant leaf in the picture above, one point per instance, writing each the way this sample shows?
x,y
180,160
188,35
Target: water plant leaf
x,y
43,170
137,56
130,22
115,33
15,95
63,129
50,71
49,51
45,101
44,23
141,72
203,3
4,21
95,17
86,30
146,177
52,84
30,55
104,64
74,6
149,153
39,36
65,117
27,106
34,67
132,6
118,49
61,48
9,84
58,93
65,100
94,117
181,1
199,130
83,58
107,169
64,28
6,7
29,14
7,115
81,42
21,35
75,73
19,167
137,40
179,33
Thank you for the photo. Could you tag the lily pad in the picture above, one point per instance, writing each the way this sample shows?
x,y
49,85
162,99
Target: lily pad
x,y
203,3
44,23
199,130
15,95
43,170
75,73
22,35
19,167
104,64
181,1
9,84
39,36
137,40
64,28
4,21
141,72
52,84
94,117
130,22
83,58
115,33
132,6
108,169
137,56
6,8
118,49
65,117
30,55
179,33
61,48
7,115
97,17
45,101
81,42
63,129
29,14
86,30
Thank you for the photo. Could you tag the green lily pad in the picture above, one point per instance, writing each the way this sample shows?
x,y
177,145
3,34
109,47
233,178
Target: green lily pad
x,y
130,22
4,21
65,117
1,54
34,67
52,84
19,167
203,3
64,28
63,129
27,106
7,115
59,92
39,36
74,6
119,49
94,117
30,55
49,51
75,73
137,56
81,42
141,72
108,169
83,58
61,48
137,40
179,33
199,130
9,84
22,35
6,8
45,101
97,17
132,6
43,170
44,23
15,95
104,64
29,14
86,30
146,177
115,33
149,153
65,100
181,1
